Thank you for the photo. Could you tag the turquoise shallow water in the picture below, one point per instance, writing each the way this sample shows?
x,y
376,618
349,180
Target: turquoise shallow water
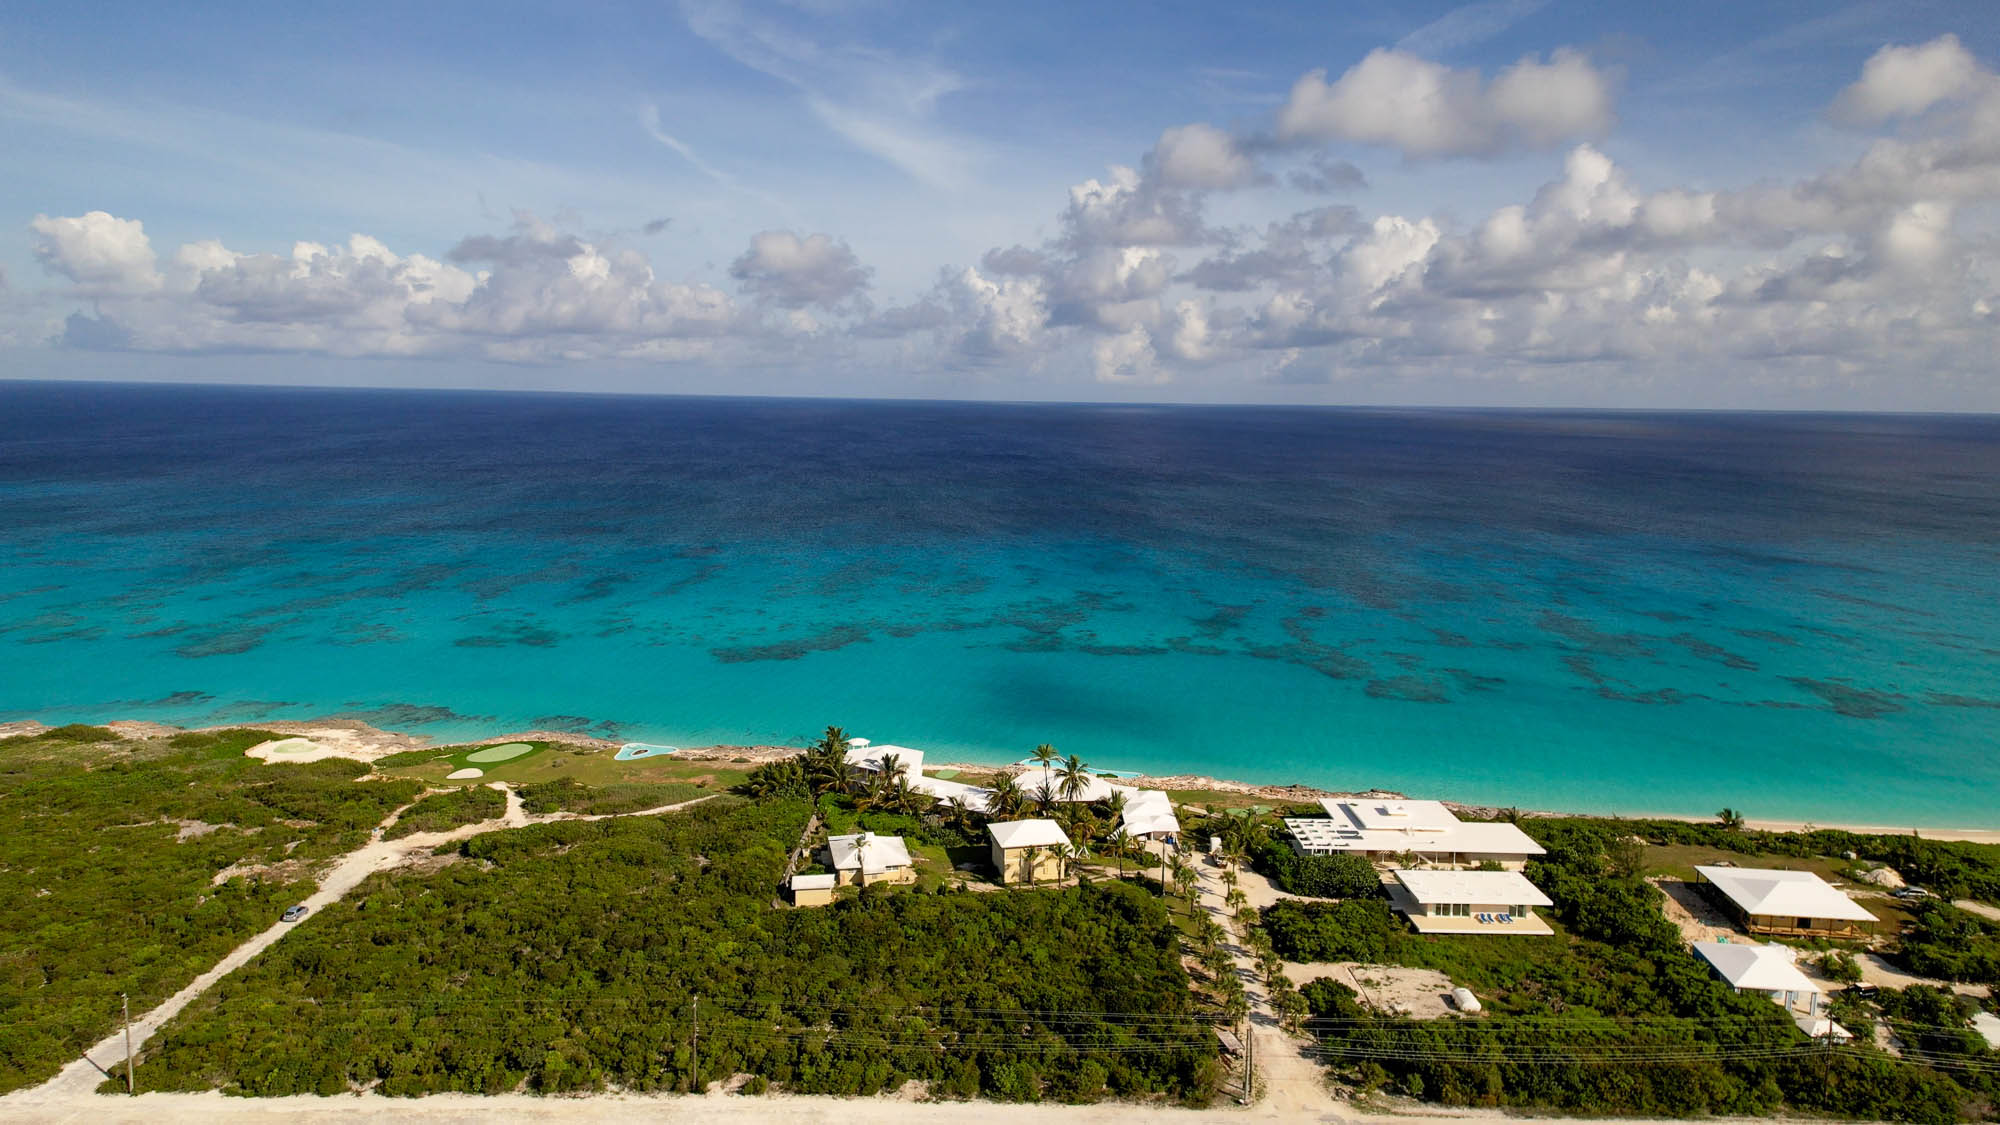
x,y
1638,613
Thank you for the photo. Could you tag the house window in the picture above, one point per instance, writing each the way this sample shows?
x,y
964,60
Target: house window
x,y
1805,923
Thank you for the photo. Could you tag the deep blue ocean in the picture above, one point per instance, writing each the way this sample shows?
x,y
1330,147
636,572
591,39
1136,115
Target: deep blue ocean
x,y
1794,615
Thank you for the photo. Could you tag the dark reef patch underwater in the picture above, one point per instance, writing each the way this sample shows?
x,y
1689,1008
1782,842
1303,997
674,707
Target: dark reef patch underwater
x,y
1790,614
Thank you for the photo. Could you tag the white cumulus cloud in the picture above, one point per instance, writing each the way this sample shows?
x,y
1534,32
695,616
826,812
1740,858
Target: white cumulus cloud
x,y
1425,109
1904,81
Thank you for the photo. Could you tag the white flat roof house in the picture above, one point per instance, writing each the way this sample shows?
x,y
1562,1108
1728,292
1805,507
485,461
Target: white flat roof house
x,y
1468,902
1770,969
1376,827
1799,903
1027,850
863,858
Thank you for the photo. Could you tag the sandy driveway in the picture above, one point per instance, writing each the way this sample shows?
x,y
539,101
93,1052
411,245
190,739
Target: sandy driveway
x,y
347,873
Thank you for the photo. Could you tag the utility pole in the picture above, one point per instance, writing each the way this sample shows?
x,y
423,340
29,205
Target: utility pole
x,y
697,1042
1249,1061
126,1001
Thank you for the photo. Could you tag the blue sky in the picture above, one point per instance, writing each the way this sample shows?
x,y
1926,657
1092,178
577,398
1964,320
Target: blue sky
x,y
1527,202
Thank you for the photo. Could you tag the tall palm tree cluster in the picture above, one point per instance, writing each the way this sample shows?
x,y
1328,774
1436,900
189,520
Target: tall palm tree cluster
x,y
824,768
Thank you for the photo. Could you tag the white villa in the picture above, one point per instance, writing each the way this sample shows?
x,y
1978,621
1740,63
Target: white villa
x,y
1028,851
864,859
1379,828
1149,814
1468,902
1094,788
1788,903
1773,971
869,758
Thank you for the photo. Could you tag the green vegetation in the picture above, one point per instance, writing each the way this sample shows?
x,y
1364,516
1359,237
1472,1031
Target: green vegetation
x,y
441,812
78,732
567,794
1321,876
569,958
1612,1015
108,855
1952,944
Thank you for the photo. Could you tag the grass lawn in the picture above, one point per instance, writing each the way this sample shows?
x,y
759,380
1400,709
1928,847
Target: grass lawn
x,y
1678,861
1219,799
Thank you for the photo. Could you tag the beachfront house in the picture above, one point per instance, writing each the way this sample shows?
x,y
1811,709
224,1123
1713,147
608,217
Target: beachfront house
x,y
1786,903
863,859
1034,780
872,759
1773,971
812,890
1028,851
1438,901
1426,832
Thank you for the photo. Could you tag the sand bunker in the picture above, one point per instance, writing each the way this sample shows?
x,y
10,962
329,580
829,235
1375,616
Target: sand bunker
x,y
466,774
635,750
505,752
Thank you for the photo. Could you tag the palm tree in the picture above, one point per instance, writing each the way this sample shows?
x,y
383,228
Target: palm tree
x,y
1730,818
1119,839
1067,854
1114,807
1236,899
959,815
1045,796
1075,778
891,764
1045,755
1034,862
904,799
826,761
1004,802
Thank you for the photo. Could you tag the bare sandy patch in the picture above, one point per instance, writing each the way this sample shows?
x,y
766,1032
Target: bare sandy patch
x,y
1423,994
311,743
1697,918
26,728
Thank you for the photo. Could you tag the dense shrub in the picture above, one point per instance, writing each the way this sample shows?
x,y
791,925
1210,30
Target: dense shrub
x,y
1359,930
1952,944
1320,876
101,892
440,812
569,956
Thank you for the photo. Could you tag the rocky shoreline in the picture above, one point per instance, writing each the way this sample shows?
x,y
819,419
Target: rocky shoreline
x,y
364,742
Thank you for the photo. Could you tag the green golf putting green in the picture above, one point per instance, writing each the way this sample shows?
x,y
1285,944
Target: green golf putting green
x,y
505,752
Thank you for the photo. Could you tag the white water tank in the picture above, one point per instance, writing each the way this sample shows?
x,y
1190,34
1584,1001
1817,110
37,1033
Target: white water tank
x,y
1464,1000
1215,845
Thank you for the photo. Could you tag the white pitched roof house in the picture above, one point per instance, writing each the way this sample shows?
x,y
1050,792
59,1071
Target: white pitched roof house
x,y
1028,850
863,858
1150,813
1770,901
1772,970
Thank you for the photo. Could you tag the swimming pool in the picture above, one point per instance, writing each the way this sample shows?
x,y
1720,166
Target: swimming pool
x,y
634,750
